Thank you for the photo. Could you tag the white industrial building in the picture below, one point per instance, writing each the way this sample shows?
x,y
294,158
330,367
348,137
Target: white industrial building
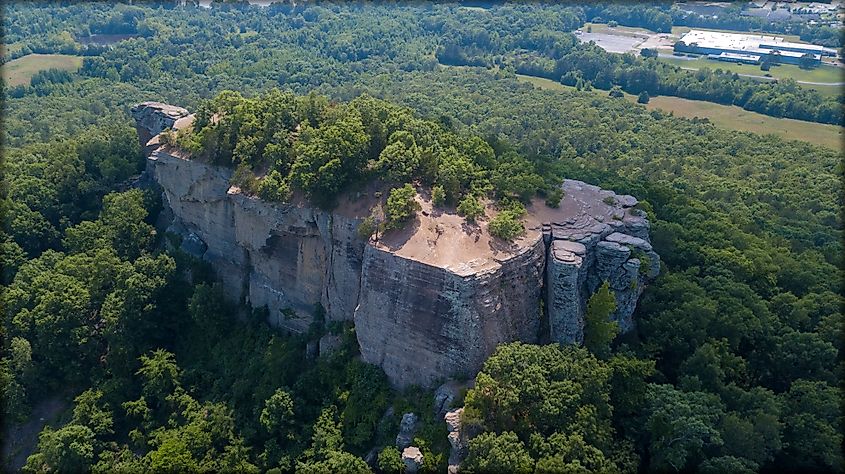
x,y
747,48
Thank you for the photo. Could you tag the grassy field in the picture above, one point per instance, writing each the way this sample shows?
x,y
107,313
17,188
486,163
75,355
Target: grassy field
x,y
730,117
616,30
21,70
820,74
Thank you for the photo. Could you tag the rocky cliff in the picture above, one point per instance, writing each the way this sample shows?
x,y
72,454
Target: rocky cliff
x,y
428,302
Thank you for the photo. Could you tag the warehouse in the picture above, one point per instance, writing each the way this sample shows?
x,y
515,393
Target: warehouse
x,y
742,47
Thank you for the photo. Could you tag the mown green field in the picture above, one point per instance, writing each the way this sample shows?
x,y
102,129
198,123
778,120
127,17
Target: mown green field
x,y
823,73
730,117
21,70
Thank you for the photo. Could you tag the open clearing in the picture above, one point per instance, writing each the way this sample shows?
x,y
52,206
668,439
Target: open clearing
x,y
726,116
622,39
21,70
821,74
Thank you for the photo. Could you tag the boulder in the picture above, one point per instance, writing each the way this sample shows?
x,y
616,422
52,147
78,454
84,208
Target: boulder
x,y
412,457
329,343
407,429
457,439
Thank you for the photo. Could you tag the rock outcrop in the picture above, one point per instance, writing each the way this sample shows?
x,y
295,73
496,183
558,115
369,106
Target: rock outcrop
x,y
151,118
407,430
458,437
428,302
598,237
412,458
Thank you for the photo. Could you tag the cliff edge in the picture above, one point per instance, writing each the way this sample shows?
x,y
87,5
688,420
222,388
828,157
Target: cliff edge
x,y
429,301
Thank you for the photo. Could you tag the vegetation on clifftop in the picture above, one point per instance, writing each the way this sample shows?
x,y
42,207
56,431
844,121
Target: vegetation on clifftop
x,y
323,149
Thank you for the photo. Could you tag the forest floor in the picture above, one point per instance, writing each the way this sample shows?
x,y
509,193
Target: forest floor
x,y
726,116
20,440
21,70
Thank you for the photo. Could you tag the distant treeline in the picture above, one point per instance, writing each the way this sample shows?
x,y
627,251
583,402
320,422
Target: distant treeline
x,y
560,57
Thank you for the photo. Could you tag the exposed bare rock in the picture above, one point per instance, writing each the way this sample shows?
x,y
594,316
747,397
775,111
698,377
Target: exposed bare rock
x,y
412,457
153,117
407,430
329,343
457,439
421,322
598,237
430,301
447,393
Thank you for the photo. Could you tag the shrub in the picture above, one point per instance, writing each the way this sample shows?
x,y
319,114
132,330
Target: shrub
x,y
506,225
367,227
274,188
643,98
167,138
553,197
512,205
471,208
244,179
390,461
648,53
616,92
438,195
401,205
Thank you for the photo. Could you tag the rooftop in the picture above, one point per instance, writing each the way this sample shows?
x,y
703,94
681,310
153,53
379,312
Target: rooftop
x,y
750,43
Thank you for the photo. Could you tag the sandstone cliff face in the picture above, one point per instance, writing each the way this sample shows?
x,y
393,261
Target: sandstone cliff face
x,y
422,322
597,237
153,117
429,302
285,257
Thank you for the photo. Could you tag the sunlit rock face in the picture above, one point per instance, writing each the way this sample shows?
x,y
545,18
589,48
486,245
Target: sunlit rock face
x,y
597,236
430,301
151,118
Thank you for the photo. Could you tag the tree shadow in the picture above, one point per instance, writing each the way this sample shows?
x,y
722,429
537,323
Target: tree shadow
x,y
397,238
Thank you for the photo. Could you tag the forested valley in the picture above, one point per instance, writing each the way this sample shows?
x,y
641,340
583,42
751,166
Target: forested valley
x,y
735,365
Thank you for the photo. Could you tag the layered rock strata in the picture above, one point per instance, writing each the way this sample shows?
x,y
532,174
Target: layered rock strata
x,y
153,117
598,237
428,302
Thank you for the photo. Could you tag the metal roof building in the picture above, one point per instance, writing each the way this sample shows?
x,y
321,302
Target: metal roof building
x,y
716,43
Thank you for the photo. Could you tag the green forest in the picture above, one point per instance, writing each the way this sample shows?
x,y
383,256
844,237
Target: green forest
x,y
734,366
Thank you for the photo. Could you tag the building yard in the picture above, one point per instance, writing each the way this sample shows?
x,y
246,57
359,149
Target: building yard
x,y
20,71
762,48
826,78
623,39
726,116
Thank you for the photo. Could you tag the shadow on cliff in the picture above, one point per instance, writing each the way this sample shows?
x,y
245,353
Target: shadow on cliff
x,y
471,228
498,245
396,239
